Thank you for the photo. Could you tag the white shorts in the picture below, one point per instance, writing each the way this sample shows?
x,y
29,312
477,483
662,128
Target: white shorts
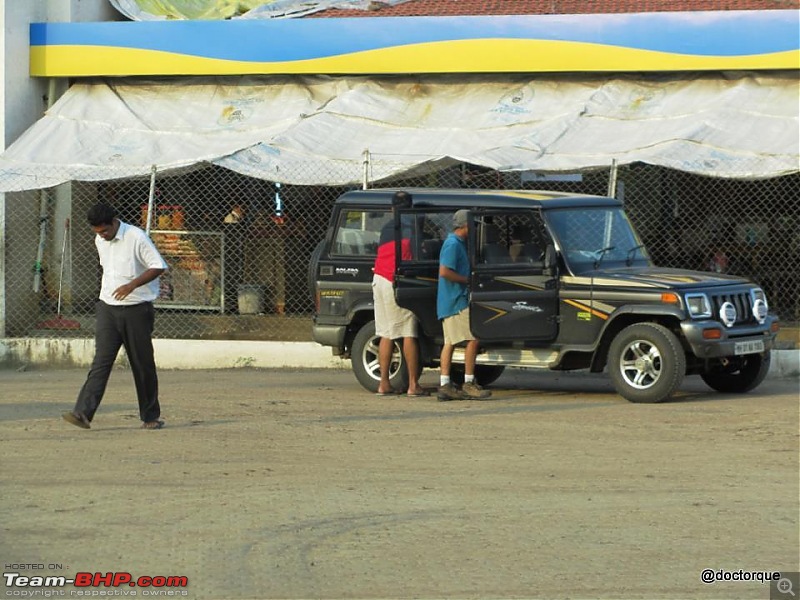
x,y
391,321
456,328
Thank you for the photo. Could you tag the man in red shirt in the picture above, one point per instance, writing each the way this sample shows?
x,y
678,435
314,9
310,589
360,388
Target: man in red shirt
x,y
391,321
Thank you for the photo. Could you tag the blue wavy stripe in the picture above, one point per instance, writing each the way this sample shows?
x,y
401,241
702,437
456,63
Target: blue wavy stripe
x,y
724,33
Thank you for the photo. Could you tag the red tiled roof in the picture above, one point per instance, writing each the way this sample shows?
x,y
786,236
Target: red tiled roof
x,y
420,8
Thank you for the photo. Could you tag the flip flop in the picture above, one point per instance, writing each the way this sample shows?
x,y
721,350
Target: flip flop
x,y
420,394
392,393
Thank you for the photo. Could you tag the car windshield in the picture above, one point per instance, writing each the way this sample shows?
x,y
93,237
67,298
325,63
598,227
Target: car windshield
x,y
593,237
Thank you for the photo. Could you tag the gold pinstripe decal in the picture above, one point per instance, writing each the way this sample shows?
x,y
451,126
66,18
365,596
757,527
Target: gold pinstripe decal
x,y
518,283
500,312
596,313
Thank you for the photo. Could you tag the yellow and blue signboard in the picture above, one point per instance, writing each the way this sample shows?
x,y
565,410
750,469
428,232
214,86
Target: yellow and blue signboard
x,y
667,41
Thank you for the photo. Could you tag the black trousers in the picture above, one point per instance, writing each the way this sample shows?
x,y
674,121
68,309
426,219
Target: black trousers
x,y
131,327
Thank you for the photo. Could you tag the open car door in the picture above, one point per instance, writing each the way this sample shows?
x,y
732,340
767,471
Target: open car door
x,y
514,285
417,273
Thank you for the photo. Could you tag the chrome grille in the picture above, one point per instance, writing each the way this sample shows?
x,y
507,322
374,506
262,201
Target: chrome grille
x,y
741,300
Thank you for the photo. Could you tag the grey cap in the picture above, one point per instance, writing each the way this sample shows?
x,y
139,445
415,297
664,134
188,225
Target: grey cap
x,y
460,218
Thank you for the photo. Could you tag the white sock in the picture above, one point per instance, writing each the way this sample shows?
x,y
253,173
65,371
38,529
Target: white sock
x,y
444,379
469,378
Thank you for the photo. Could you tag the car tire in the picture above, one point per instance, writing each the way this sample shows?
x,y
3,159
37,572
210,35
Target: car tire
x,y
364,361
646,363
740,375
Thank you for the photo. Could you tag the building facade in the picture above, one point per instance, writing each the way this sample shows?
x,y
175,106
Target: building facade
x,y
406,94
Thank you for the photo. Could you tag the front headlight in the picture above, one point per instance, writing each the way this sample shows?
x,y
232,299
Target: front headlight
x,y
758,300
698,305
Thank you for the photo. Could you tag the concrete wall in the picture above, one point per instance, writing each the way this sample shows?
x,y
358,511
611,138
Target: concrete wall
x,y
172,354
23,100
222,354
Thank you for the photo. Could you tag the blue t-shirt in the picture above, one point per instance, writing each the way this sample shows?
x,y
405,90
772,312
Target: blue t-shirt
x,y
452,297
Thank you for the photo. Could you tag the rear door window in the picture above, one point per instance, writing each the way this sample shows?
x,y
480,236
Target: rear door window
x,y
358,232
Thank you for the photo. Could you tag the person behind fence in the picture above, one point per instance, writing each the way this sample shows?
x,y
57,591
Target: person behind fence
x,y
391,321
234,228
265,254
236,215
131,266
452,307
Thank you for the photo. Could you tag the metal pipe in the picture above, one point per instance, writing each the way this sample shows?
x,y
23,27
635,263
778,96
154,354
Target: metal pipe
x,y
365,180
151,199
612,179
44,208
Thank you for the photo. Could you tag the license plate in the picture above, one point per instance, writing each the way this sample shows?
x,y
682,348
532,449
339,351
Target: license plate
x,y
748,347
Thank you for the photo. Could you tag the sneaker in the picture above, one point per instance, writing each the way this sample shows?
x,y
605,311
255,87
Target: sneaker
x,y
449,391
473,390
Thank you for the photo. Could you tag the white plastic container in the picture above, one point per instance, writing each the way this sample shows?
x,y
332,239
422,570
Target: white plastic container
x,y
251,299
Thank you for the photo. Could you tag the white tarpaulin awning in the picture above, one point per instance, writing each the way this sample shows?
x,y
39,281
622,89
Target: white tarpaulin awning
x,y
314,130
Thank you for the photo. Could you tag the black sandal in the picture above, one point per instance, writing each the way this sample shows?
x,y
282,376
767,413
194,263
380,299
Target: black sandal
x,y
77,419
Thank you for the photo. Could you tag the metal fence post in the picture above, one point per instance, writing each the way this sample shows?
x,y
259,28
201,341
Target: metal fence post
x,y
612,179
151,200
365,180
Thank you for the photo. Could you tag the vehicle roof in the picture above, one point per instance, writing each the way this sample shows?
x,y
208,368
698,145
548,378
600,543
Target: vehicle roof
x,y
479,198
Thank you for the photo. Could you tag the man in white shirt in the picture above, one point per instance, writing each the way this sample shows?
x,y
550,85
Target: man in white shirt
x,y
131,267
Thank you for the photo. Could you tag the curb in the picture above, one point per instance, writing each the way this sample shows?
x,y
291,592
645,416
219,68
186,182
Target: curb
x,y
224,354
785,363
173,354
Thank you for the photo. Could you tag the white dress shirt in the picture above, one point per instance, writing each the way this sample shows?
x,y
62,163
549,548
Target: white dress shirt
x,y
123,259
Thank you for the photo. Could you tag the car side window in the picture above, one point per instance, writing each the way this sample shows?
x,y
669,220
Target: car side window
x,y
358,231
428,232
510,239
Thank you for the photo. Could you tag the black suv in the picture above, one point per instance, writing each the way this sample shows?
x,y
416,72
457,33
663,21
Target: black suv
x,y
559,281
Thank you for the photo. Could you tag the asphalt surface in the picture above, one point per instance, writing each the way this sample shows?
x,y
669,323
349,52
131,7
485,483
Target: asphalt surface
x,y
299,484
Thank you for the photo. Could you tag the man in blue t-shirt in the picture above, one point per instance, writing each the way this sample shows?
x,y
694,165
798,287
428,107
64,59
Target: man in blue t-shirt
x,y
452,307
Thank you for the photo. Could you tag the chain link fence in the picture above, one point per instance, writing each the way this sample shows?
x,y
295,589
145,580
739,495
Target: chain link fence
x,y
239,247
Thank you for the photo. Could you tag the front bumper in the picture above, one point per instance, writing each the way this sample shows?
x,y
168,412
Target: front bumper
x,y
726,344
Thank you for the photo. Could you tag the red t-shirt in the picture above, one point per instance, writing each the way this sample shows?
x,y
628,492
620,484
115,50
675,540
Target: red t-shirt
x,y
384,261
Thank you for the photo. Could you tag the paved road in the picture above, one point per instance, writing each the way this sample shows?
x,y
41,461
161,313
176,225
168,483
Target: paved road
x,y
298,484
